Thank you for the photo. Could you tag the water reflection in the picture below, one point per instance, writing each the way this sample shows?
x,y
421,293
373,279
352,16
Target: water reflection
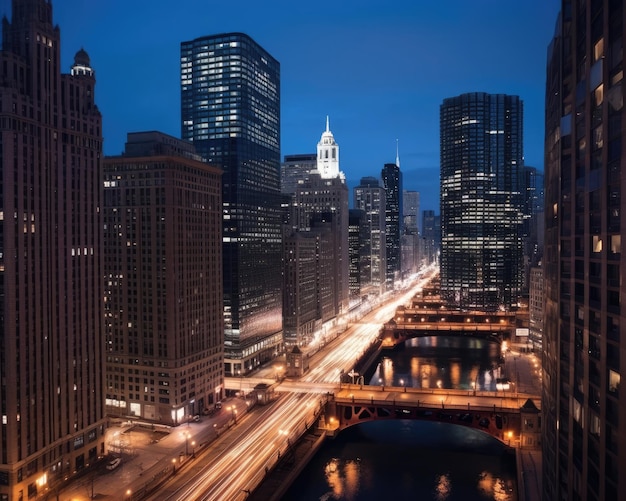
x,y
408,460
343,478
443,362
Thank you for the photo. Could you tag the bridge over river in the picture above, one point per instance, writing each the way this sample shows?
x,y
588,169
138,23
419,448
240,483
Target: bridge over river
x,y
511,417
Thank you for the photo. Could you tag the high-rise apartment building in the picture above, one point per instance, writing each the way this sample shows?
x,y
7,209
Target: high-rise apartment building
x,y
369,196
230,102
584,337
163,288
51,276
392,182
481,200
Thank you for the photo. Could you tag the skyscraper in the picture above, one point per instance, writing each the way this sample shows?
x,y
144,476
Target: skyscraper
x,y
583,406
51,275
392,182
481,200
163,293
325,192
369,196
410,211
230,99
295,169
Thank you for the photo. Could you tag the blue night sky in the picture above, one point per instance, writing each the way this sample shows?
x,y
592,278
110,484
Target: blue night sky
x,y
379,68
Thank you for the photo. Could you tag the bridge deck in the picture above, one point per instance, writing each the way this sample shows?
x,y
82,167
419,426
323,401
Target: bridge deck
x,y
434,398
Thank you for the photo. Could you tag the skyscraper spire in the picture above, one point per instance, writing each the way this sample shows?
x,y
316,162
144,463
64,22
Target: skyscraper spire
x,y
397,155
327,124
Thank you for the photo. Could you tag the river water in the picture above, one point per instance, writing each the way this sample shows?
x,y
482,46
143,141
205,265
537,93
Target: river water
x,y
414,460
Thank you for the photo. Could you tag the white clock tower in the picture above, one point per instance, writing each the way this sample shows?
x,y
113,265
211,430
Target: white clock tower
x,y
328,155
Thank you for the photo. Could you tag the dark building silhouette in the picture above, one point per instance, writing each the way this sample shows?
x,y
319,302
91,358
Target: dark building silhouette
x,y
584,337
50,258
163,290
431,237
481,200
230,102
392,182
532,229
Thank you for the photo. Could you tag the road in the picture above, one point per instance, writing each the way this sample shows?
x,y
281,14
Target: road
x,y
233,473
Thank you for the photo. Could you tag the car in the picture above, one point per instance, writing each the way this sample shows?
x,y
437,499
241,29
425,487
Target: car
x,y
218,405
196,418
114,463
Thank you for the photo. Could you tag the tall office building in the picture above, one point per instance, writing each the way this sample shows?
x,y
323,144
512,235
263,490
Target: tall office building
x,y
369,196
481,200
358,249
431,237
295,169
410,211
584,339
230,99
51,356
392,182
533,210
163,289
325,193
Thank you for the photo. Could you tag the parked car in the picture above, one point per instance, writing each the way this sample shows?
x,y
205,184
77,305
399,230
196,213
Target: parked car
x,y
114,463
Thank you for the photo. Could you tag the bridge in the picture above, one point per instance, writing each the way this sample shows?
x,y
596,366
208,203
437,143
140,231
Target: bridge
x,y
427,315
509,416
513,419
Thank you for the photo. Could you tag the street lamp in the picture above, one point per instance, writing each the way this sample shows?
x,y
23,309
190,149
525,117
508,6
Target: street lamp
x,y
129,493
193,448
174,465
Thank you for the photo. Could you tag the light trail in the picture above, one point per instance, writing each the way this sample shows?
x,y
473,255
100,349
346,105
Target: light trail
x,y
239,470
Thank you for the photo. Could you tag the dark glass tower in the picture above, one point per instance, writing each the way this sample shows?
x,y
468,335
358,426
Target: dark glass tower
x,y
481,200
392,182
51,267
230,99
584,341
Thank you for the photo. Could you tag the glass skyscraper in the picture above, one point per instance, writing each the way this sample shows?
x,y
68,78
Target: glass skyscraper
x,y
392,182
584,413
481,200
230,100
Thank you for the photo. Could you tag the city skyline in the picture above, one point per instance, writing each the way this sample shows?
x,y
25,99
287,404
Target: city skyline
x,y
422,55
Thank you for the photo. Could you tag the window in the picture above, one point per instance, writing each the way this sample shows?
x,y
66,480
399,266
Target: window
x,y
614,380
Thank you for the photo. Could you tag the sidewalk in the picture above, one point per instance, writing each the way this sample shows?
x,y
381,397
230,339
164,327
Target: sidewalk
x,y
149,456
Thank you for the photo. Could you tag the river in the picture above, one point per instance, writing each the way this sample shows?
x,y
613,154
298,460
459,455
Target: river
x,y
414,460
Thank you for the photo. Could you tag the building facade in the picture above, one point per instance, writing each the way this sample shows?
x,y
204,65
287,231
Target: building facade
x,y
410,211
431,237
358,251
163,270
51,274
230,109
369,196
392,182
481,200
583,411
296,169
536,308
